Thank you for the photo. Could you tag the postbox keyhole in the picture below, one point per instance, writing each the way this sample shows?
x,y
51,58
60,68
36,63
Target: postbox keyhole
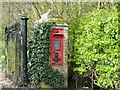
x,y
56,58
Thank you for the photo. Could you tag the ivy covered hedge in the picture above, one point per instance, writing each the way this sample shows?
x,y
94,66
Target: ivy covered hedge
x,y
38,59
96,48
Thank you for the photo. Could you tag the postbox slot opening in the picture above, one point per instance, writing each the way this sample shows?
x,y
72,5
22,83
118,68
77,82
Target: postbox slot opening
x,y
58,34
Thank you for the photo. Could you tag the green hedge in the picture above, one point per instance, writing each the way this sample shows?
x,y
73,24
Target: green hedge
x,y
96,49
38,59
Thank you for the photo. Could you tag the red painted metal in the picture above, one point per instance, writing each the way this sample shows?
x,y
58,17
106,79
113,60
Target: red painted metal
x,y
56,47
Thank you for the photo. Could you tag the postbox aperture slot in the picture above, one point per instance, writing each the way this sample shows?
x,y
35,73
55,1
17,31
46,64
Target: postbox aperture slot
x,y
57,34
56,44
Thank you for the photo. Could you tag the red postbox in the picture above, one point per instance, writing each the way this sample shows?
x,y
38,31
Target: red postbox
x,y
56,47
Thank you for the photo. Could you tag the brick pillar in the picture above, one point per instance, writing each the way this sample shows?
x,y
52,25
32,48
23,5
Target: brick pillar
x,y
64,68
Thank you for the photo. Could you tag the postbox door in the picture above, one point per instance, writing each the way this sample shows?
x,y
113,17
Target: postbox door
x,y
56,47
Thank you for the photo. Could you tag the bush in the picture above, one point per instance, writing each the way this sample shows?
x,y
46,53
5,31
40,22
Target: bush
x,y
38,59
96,49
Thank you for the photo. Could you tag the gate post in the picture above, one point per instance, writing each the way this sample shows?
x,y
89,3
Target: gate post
x,y
24,47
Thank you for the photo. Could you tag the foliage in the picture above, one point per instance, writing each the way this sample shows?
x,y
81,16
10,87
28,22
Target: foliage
x,y
96,47
67,11
38,59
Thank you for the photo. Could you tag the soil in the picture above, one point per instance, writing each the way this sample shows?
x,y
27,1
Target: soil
x,y
5,82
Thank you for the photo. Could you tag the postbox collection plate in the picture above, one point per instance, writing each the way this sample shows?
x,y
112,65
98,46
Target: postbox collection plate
x,y
56,44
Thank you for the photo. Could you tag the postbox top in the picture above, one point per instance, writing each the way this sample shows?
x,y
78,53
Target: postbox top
x,y
61,25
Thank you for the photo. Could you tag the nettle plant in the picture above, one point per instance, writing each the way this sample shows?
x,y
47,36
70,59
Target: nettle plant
x,y
38,59
97,50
